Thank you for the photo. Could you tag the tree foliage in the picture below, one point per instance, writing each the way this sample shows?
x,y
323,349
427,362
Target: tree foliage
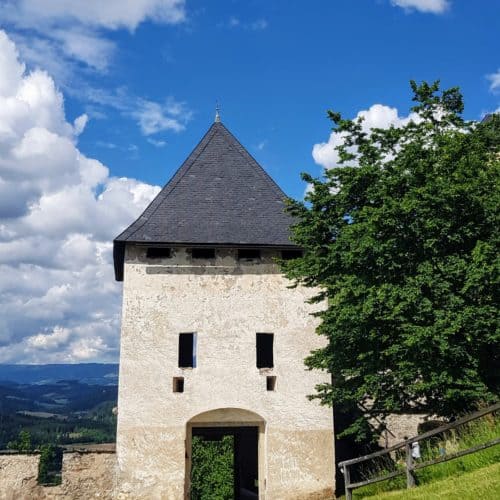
x,y
402,241
212,473
23,443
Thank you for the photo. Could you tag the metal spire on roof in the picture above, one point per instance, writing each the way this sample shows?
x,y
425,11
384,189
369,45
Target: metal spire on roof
x,y
217,115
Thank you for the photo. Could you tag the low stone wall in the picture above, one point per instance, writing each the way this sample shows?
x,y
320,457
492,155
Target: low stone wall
x,y
18,475
401,427
85,475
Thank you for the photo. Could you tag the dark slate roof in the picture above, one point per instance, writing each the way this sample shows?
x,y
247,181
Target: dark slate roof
x,y
220,196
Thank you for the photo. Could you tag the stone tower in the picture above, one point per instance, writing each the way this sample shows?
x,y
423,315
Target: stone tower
x,y
213,339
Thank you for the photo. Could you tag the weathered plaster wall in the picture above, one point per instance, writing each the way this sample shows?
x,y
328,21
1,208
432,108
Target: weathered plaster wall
x,y
18,475
226,303
88,475
84,476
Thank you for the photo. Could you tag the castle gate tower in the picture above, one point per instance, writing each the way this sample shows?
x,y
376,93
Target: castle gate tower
x,y
213,339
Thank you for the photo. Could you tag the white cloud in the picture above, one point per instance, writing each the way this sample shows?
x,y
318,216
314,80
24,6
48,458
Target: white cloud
x,y
59,211
12,69
75,30
378,115
85,46
80,123
156,144
49,341
494,79
431,6
70,40
111,14
154,117
151,116
47,54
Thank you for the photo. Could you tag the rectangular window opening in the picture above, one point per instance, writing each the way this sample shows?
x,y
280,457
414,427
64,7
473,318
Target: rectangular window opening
x,y
291,254
178,384
271,383
187,350
265,350
203,253
50,465
158,253
248,254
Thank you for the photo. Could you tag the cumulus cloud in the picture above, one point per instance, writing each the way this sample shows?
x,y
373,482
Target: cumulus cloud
x,y
59,211
70,40
75,30
377,116
430,6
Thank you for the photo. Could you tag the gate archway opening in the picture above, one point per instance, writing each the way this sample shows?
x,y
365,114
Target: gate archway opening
x,y
235,437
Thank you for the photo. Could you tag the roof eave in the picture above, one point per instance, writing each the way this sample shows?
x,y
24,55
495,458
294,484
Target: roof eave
x,y
120,245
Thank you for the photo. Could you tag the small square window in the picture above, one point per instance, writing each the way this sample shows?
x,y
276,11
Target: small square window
x,y
203,253
178,384
271,383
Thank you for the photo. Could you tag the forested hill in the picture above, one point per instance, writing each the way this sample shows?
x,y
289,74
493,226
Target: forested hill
x,y
58,404
86,373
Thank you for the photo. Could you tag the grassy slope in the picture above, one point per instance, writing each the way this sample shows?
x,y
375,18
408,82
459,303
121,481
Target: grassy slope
x,y
469,435
481,484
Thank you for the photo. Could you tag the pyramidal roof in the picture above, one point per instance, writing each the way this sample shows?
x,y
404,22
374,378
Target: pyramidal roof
x,y
220,196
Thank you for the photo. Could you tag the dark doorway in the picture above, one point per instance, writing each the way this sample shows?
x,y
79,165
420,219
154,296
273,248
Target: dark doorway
x,y
240,445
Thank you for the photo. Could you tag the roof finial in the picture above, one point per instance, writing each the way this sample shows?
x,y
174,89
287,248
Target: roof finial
x,y
217,109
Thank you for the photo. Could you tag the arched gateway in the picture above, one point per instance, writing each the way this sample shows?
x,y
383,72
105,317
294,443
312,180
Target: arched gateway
x,y
213,338
248,432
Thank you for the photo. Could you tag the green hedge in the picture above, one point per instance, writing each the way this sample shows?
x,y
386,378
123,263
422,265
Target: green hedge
x,y
212,469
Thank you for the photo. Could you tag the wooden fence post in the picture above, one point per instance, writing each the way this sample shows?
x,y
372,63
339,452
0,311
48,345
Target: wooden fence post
x,y
410,477
347,482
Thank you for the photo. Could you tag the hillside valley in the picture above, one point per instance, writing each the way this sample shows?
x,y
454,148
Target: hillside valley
x,y
59,404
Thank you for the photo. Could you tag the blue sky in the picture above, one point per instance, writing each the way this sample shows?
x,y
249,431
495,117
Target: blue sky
x,y
141,80
277,66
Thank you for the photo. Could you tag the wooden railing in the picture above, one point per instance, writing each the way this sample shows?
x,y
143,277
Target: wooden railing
x,y
410,464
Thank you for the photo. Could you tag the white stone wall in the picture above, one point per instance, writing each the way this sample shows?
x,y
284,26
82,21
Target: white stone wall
x,y
225,302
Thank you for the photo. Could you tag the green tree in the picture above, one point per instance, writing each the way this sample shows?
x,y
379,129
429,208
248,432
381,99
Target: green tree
x,y
402,239
23,442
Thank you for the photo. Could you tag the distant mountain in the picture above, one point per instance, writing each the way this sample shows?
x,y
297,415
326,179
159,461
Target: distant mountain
x,y
85,373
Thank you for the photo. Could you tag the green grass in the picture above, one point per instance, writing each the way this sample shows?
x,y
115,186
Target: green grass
x,y
481,484
468,435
